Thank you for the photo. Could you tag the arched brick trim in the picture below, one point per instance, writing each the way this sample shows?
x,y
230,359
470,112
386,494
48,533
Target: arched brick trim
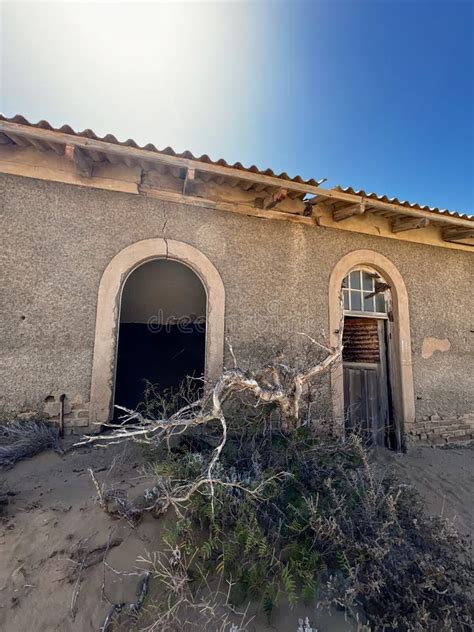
x,y
108,314
404,400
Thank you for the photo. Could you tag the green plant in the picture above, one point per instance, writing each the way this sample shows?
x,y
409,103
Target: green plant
x,y
335,528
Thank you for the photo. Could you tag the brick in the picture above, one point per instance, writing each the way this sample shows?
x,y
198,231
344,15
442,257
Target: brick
x,y
438,441
28,415
51,409
76,421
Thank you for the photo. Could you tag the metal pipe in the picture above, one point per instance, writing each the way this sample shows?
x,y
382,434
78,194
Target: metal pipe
x,y
61,414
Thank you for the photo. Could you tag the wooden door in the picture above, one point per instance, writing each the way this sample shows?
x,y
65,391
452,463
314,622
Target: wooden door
x,y
366,393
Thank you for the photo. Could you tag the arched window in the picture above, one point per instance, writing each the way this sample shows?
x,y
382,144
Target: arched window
x,y
365,292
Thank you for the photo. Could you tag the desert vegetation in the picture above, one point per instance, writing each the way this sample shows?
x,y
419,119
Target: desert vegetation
x,y
270,508
23,439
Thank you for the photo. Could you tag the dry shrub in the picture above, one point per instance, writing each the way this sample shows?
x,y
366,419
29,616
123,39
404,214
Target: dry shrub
x,y
337,530
280,510
23,439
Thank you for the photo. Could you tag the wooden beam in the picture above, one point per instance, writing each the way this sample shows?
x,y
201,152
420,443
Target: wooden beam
x,y
272,200
151,157
315,200
454,234
311,208
348,211
242,209
58,149
19,140
409,223
40,146
82,163
189,181
29,163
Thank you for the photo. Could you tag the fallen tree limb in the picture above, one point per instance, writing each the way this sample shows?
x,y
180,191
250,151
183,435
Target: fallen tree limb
x,y
276,383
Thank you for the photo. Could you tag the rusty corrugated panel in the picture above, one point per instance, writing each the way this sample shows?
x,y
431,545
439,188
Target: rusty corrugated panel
x,y
394,200
361,340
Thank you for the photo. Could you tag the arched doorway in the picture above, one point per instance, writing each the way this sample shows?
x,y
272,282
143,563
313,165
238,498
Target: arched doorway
x,y
370,267
109,310
162,333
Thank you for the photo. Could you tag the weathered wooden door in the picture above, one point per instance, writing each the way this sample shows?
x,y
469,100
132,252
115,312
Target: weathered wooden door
x,y
366,388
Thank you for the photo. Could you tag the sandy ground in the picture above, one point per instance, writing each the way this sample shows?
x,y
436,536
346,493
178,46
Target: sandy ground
x,y
443,477
54,535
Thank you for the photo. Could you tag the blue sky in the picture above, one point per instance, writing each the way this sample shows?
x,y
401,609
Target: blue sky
x,y
376,95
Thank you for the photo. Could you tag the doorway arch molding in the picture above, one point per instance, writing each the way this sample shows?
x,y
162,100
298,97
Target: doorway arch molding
x,y
404,399
108,314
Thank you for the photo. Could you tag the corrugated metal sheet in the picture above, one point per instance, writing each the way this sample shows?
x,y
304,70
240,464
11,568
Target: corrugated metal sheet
x,y
110,138
360,340
394,200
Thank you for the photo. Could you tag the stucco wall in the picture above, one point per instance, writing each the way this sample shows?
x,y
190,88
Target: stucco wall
x,y
58,239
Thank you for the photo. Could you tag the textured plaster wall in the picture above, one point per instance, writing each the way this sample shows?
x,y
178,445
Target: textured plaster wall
x,y
58,239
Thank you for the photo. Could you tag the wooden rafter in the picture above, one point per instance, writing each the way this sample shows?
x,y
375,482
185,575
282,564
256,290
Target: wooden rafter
x,y
456,234
409,223
272,200
189,181
311,208
348,211
152,158
58,149
82,162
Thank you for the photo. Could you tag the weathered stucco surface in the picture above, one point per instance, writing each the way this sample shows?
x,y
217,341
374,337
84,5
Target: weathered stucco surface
x,y
58,240
432,345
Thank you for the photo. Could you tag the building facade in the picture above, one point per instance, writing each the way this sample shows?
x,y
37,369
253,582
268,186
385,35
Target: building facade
x,y
112,253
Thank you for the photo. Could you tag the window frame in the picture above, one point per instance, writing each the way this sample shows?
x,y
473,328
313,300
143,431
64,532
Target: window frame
x,y
347,290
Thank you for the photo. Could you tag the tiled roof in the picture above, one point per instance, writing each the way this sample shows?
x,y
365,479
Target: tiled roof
x,y
169,151
110,138
394,200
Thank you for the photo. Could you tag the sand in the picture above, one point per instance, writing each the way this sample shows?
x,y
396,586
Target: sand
x,y
443,477
54,534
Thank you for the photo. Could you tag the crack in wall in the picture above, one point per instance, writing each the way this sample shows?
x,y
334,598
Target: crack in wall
x,y
163,231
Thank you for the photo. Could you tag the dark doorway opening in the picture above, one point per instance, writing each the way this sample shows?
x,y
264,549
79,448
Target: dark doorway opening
x,y
162,332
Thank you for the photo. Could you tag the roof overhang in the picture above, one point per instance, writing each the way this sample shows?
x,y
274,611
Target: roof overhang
x,y
203,182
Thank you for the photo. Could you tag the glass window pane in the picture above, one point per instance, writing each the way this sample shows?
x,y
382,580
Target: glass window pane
x,y
355,280
367,282
345,283
356,301
346,299
380,303
368,303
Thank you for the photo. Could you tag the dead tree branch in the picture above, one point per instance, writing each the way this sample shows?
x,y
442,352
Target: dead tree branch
x,y
277,383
